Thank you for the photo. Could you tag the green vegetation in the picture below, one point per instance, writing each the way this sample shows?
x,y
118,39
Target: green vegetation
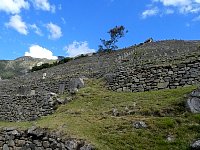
x,y
115,34
48,65
56,63
90,117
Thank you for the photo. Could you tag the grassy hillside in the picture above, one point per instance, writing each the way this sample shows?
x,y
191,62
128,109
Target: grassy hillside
x,y
89,116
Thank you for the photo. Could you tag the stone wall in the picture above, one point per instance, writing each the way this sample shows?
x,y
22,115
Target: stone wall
x,y
38,139
29,97
18,108
154,78
23,100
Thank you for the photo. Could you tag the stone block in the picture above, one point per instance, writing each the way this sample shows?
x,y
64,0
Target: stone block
x,y
163,85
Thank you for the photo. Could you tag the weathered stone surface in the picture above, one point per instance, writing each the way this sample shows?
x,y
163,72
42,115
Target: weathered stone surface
x,y
28,140
5,147
147,77
196,93
195,145
34,131
115,112
32,92
61,88
170,72
75,84
170,138
87,147
194,104
110,77
46,144
139,124
163,85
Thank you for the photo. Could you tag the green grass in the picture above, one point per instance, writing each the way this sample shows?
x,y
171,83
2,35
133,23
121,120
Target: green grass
x,y
89,117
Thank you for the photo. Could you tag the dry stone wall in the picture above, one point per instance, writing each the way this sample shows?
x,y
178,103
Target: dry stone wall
x,y
38,139
154,78
22,100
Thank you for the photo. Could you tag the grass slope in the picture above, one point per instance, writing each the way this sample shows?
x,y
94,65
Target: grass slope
x,y
89,117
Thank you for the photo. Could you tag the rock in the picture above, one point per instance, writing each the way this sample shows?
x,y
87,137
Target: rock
x,y
71,145
5,147
196,93
32,92
127,109
193,104
115,112
170,72
14,132
52,94
44,75
29,147
163,85
119,90
150,40
61,88
21,143
61,101
46,144
37,142
34,131
109,77
139,124
11,143
195,145
75,84
136,80
73,91
87,147
170,138
9,128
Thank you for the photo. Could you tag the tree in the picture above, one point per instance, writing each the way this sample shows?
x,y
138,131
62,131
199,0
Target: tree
x,y
115,34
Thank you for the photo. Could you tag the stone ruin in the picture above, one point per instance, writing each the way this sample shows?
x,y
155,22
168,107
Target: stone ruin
x,y
22,100
150,66
154,77
39,139
130,70
150,40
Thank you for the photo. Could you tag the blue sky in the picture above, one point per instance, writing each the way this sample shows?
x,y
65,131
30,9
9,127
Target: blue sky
x,y
50,28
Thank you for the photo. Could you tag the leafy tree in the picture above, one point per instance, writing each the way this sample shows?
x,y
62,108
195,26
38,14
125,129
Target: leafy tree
x,y
115,34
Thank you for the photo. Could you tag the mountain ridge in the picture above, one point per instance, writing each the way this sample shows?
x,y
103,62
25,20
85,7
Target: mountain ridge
x,y
19,66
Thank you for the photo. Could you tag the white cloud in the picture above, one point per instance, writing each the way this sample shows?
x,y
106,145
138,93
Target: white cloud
x,y
44,5
150,12
36,29
55,31
37,51
17,24
183,6
174,2
13,6
77,48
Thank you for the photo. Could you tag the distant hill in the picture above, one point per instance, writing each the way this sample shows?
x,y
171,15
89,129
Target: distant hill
x,y
19,66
